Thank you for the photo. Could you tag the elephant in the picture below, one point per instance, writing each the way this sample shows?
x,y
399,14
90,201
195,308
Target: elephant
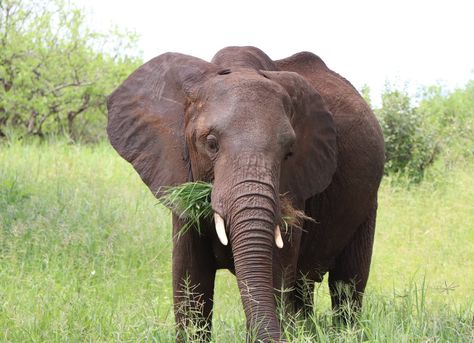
x,y
257,128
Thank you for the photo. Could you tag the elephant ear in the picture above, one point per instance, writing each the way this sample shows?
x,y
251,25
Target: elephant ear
x,y
146,117
314,155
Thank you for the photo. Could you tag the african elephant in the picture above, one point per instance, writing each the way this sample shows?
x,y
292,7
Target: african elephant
x,y
257,128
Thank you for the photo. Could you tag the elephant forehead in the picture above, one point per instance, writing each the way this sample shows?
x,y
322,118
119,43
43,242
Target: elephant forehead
x,y
244,101
245,85
239,96
242,124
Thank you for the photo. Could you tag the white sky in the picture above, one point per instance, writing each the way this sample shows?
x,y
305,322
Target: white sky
x,y
415,42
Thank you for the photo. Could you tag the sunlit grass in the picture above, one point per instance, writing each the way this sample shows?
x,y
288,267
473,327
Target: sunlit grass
x,y
85,255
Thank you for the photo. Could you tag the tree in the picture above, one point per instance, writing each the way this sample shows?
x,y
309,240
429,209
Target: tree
x,y
409,142
451,114
55,72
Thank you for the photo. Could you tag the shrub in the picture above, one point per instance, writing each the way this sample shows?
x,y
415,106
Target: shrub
x,y
451,114
410,144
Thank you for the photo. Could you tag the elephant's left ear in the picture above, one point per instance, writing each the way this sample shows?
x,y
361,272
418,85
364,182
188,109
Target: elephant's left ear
x,y
309,170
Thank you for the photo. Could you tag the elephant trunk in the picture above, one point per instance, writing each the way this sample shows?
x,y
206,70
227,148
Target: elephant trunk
x,y
250,211
252,245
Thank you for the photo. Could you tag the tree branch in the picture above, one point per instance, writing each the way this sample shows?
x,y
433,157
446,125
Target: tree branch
x,y
72,84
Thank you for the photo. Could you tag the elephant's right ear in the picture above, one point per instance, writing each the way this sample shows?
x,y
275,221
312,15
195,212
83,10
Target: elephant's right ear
x,y
146,117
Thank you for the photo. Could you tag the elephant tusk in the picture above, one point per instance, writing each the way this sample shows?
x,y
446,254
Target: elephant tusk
x,y
278,239
220,228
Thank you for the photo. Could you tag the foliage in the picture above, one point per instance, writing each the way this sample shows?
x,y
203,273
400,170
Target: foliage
x,y
86,256
451,114
441,125
409,143
191,201
55,72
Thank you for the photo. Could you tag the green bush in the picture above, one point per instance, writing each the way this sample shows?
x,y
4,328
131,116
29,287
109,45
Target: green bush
x,y
451,115
410,144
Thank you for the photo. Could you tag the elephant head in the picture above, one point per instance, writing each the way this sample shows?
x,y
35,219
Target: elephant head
x,y
253,131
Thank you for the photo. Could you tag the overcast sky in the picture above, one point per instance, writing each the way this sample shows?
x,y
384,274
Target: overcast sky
x,y
368,42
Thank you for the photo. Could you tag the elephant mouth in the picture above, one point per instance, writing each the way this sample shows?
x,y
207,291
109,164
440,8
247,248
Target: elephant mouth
x,y
192,201
222,235
290,217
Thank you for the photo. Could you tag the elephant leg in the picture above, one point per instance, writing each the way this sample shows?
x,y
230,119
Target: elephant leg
x,y
193,285
348,277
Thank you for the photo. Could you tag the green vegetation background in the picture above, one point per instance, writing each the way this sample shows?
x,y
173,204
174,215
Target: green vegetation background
x,y
85,249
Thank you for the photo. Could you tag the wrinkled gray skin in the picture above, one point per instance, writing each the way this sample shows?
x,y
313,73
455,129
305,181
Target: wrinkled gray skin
x,y
257,128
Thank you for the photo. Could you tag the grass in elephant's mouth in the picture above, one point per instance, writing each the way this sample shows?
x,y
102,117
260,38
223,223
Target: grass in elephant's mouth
x,y
291,216
191,201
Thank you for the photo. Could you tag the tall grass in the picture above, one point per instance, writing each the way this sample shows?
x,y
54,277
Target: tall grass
x,y
85,255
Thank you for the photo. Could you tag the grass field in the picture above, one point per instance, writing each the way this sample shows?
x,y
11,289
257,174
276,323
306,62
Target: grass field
x,y
85,255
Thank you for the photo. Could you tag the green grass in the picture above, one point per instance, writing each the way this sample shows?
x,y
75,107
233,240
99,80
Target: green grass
x,y
190,201
85,255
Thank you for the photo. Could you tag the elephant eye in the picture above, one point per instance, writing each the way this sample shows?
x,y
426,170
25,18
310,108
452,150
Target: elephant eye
x,y
288,155
211,144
